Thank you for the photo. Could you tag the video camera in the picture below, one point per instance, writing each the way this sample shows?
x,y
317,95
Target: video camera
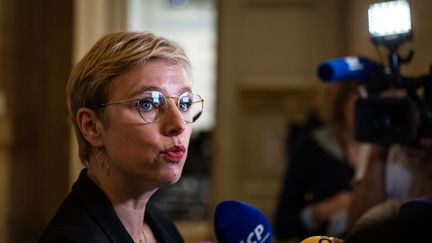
x,y
379,119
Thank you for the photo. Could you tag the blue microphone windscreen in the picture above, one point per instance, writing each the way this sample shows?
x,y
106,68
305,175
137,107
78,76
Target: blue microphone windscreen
x,y
239,222
346,69
414,206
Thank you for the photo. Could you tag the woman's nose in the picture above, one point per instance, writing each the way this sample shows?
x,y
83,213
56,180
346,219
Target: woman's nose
x,y
173,121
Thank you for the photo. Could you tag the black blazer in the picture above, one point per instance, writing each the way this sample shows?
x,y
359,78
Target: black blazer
x,y
86,215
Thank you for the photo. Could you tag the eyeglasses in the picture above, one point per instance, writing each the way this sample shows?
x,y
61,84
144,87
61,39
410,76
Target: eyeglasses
x,y
153,105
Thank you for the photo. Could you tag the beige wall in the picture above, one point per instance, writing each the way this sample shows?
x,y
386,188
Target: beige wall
x,y
36,57
5,141
39,44
5,136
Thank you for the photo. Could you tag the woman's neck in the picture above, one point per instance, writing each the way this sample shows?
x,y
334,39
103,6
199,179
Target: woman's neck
x,y
129,204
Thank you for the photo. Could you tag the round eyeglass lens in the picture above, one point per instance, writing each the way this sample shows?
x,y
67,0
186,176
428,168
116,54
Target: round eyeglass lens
x,y
152,106
191,106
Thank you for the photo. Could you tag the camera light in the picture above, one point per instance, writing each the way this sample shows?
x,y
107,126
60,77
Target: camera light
x,y
390,22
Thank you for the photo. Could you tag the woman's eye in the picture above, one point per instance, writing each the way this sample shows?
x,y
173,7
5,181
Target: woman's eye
x,y
145,104
184,106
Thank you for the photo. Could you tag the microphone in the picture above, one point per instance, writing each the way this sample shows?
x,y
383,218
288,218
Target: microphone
x,y
346,69
239,222
415,206
322,239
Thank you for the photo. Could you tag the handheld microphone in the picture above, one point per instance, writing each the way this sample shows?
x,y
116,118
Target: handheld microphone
x,y
322,239
239,222
346,69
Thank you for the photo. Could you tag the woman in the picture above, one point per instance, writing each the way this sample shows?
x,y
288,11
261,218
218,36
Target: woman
x,y
316,191
132,108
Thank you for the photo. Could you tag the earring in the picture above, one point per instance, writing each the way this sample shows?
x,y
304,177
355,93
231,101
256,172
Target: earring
x,y
105,165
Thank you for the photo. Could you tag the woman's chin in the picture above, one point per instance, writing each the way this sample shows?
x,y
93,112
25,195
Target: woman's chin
x,y
171,177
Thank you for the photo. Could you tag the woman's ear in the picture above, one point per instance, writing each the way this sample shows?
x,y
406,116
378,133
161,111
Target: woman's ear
x,y
90,126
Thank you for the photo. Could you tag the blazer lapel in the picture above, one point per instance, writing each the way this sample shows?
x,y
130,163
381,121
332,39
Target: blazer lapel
x,y
99,207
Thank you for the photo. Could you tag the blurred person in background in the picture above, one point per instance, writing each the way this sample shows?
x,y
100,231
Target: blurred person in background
x,y
132,108
393,200
394,175
316,191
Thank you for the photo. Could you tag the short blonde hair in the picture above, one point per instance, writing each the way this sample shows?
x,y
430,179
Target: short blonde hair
x,y
111,56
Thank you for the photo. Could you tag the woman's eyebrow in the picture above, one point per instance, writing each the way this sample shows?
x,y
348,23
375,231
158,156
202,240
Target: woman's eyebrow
x,y
184,90
155,88
144,89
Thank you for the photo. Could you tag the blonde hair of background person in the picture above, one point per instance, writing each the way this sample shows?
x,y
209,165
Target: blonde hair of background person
x,y
335,106
132,108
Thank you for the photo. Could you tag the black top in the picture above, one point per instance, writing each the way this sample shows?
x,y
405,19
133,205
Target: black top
x,y
313,175
87,215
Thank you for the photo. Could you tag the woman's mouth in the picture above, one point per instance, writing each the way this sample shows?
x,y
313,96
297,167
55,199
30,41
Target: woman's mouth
x,y
175,153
